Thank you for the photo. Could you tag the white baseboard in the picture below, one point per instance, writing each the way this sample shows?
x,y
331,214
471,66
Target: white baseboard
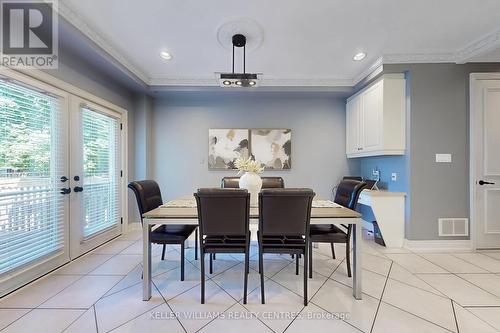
x,y
134,226
438,245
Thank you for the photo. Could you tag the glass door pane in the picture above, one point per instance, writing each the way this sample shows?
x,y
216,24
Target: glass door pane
x,y
95,168
33,211
101,178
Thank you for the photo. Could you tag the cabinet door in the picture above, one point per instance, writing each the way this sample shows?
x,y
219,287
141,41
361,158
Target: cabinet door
x,y
353,126
372,109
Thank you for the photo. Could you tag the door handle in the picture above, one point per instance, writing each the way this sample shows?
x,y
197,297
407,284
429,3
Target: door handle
x,y
78,189
64,179
482,182
65,190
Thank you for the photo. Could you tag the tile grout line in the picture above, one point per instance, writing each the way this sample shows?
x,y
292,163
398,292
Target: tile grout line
x,y
137,316
381,296
453,255
455,315
310,300
415,315
178,320
479,318
95,319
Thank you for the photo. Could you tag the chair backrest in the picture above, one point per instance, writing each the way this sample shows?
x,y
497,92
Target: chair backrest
x,y
148,195
267,182
285,212
223,211
348,192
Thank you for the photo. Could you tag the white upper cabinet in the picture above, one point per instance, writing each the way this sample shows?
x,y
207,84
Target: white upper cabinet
x,y
375,119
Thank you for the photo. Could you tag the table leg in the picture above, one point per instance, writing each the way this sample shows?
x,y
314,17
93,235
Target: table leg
x,y
356,278
146,262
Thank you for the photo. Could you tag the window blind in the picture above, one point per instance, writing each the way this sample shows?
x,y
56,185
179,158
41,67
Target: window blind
x,y
101,195
31,164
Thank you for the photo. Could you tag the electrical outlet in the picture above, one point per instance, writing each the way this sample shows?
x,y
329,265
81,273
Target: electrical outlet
x,y
394,176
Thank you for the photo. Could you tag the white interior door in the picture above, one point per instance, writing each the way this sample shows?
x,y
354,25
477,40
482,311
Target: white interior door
x,y
34,202
486,163
95,170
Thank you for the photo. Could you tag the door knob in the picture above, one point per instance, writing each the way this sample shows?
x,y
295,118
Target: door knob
x,y
78,189
64,179
65,190
482,182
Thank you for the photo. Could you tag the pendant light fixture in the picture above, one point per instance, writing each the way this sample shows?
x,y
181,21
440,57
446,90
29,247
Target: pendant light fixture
x,y
239,80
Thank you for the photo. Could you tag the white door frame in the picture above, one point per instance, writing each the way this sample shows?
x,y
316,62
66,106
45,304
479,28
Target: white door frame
x,y
77,246
473,81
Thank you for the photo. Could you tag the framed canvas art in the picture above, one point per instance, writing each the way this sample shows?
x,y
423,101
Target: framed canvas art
x,y
225,146
272,148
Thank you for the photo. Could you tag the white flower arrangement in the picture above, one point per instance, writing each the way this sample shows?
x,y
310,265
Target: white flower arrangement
x,y
248,165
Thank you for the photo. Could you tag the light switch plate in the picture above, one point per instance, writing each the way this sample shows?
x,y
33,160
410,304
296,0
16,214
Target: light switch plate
x,y
443,158
394,176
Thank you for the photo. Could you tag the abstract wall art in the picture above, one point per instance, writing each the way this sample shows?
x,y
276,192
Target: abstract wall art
x,y
272,148
225,146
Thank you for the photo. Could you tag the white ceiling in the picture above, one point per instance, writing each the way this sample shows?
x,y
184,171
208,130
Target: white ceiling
x,y
305,43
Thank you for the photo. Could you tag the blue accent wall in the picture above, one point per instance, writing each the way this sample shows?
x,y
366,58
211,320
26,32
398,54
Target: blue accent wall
x,y
386,166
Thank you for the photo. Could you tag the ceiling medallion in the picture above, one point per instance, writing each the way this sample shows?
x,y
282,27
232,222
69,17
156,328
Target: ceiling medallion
x,y
245,26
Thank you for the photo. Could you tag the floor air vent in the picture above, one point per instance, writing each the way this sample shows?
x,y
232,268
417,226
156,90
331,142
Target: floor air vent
x,y
453,227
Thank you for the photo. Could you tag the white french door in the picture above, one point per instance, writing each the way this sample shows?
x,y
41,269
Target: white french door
x,y
61,184
34,205
95,171
485,162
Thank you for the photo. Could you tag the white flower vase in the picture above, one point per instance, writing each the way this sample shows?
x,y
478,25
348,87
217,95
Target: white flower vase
x,y
252,183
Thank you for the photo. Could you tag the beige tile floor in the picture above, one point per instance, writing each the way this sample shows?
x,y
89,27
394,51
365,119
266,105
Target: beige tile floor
x,y
403,292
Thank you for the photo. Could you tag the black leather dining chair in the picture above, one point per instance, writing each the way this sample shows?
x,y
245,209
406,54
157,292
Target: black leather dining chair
x,y
284,221
347,195
267,182
148,196
223,216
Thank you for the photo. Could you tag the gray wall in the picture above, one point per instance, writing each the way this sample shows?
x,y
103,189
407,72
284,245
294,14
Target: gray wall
x,y
180,137
439,123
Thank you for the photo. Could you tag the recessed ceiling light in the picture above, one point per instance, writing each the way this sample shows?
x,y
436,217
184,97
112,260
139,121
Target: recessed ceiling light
x,y
165,55
359,56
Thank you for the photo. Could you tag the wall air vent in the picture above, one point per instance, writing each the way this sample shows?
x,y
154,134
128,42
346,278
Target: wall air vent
x,y
453,227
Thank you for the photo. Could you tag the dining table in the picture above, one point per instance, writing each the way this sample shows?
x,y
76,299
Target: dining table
x,y
184,211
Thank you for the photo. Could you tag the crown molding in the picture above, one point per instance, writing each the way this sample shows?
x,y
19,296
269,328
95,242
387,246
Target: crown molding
x,y
418,58
475,48
374,69
478,47
72,17
264,82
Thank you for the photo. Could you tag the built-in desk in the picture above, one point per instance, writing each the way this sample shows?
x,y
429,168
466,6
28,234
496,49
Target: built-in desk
x,y
389,210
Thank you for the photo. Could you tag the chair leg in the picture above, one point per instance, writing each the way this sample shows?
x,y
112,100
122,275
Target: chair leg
x,y
310,260
211,268
261,270
305,274
333,250
245,278
297,265
163,252
202,264
348,259
182,261
196,244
